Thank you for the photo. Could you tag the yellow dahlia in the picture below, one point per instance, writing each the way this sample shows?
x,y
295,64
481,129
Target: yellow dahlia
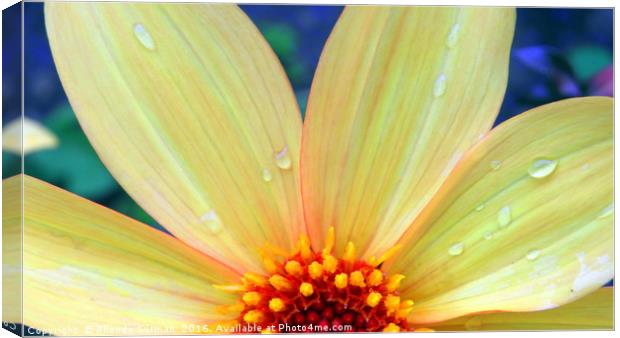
x,y
394,207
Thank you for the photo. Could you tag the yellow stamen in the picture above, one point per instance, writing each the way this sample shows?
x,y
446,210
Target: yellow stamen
x,y
375,278
251,298
233,308
357,279
392,328
304,248
330,263
280,283
392,304
330,239
349,253
341,280
315,270
393,282
255,279
387,255
405,309
373,299
270,265
306,289
253,316
230,288
293,268
276,305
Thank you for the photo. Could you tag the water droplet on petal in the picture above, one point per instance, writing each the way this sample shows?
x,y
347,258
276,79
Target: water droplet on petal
x,y
440,86
283,160
504,216
480,207
607,211
533,255
143,35
495,164
453,36
267,177
488,235
456,249
585,167
212,221
542,168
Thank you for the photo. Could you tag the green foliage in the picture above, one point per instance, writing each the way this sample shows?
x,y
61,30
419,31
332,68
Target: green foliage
x,y
586,61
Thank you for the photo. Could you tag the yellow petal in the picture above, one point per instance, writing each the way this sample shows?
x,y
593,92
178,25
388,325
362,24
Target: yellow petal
x,y
399,94
513,238
35,136
592,312
191,112
11,251
85,265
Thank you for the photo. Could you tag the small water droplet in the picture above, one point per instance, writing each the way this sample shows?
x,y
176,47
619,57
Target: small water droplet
x,y
533,255
456,249
495,164
504,216
440,86
212,221
488,235
283,160
143,35
480,207
267,177
585,167
453,36
607,211
542,168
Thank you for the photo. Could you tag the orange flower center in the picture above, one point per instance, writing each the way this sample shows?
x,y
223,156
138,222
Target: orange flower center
x,y
312,291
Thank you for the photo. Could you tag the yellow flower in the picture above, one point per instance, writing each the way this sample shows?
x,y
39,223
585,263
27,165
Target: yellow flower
x,y
394,207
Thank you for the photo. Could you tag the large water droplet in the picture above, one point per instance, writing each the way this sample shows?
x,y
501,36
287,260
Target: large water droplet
x,y
212,221
440,86
495,164
607,211
480,207
143,35
453,36
542,168
504,216
532,255
283,160
456,249
267,177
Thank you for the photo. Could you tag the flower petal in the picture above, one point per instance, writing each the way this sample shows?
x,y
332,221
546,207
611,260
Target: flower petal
x,y
85,265
399,94
592,312
35,136
505,233
188,108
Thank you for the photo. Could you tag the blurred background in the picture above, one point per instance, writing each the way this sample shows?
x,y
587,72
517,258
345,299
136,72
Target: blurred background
x,y
557,53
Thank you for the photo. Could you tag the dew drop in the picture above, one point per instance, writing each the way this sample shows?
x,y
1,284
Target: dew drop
x,y
542,168
480,207
495,164
607,211
453,36
456,249
488,235
440,86
532,255
143,36
585,167
267,177
504,216
212,221
283,160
